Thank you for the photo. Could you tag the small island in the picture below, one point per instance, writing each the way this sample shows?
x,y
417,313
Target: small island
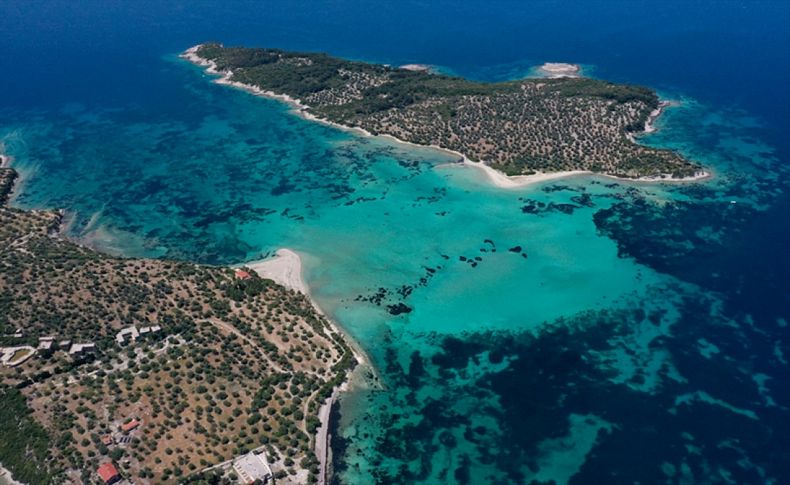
x,y
556,124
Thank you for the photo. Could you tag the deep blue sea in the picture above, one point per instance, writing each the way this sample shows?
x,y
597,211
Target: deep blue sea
x,y
639,333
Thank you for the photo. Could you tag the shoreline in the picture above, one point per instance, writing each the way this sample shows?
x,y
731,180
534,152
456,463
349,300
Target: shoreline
x,y
417,67
285,268
653,116
497,178
5,163
503,181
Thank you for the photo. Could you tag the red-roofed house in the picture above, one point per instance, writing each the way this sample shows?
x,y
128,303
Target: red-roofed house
x,y
126,427
108,473
242,275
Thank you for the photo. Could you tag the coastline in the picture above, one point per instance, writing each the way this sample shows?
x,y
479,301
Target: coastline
x,y
285,268
5,161
503,181
497,178
653,116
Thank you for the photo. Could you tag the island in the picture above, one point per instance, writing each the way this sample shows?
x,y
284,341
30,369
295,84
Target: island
x,y
522,127
154,371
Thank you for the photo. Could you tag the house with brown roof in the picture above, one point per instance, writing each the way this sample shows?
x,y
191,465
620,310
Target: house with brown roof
x,y
131,425
242,275
108,473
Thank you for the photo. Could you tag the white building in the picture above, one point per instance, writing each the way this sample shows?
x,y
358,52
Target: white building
x,y
46,343
253,466
130,332
82,348
150,330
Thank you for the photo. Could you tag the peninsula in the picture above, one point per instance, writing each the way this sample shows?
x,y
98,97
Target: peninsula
x,y
151,370
547,125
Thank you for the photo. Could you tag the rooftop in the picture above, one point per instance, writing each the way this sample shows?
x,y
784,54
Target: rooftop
x,y
108,473
252,467
126,427
242,275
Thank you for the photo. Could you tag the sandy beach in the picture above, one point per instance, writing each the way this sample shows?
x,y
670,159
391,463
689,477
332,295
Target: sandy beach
x,y
518,181
497,178
285,268
6,478
416,67
559,69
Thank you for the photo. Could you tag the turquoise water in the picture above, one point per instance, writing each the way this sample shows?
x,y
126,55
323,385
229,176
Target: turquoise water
x,y
585,329
234,178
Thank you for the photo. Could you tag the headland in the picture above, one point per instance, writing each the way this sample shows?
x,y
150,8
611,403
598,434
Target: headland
x,y
161,369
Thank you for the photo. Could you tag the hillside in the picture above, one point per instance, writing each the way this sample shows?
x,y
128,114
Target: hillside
x,y
216,365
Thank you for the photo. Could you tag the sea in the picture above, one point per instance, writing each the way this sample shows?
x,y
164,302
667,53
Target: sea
x,y
582,330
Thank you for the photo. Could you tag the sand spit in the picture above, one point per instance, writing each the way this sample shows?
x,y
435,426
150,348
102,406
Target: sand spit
x,y
519,181
285,268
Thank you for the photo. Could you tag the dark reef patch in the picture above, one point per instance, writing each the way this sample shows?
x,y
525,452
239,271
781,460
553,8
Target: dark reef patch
x,y
398,309
527,386
678,237
539,207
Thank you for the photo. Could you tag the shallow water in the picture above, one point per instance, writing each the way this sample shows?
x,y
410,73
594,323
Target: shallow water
x,y
584,330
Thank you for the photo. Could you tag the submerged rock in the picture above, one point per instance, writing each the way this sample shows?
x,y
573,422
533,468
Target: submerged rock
x,y
398,308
